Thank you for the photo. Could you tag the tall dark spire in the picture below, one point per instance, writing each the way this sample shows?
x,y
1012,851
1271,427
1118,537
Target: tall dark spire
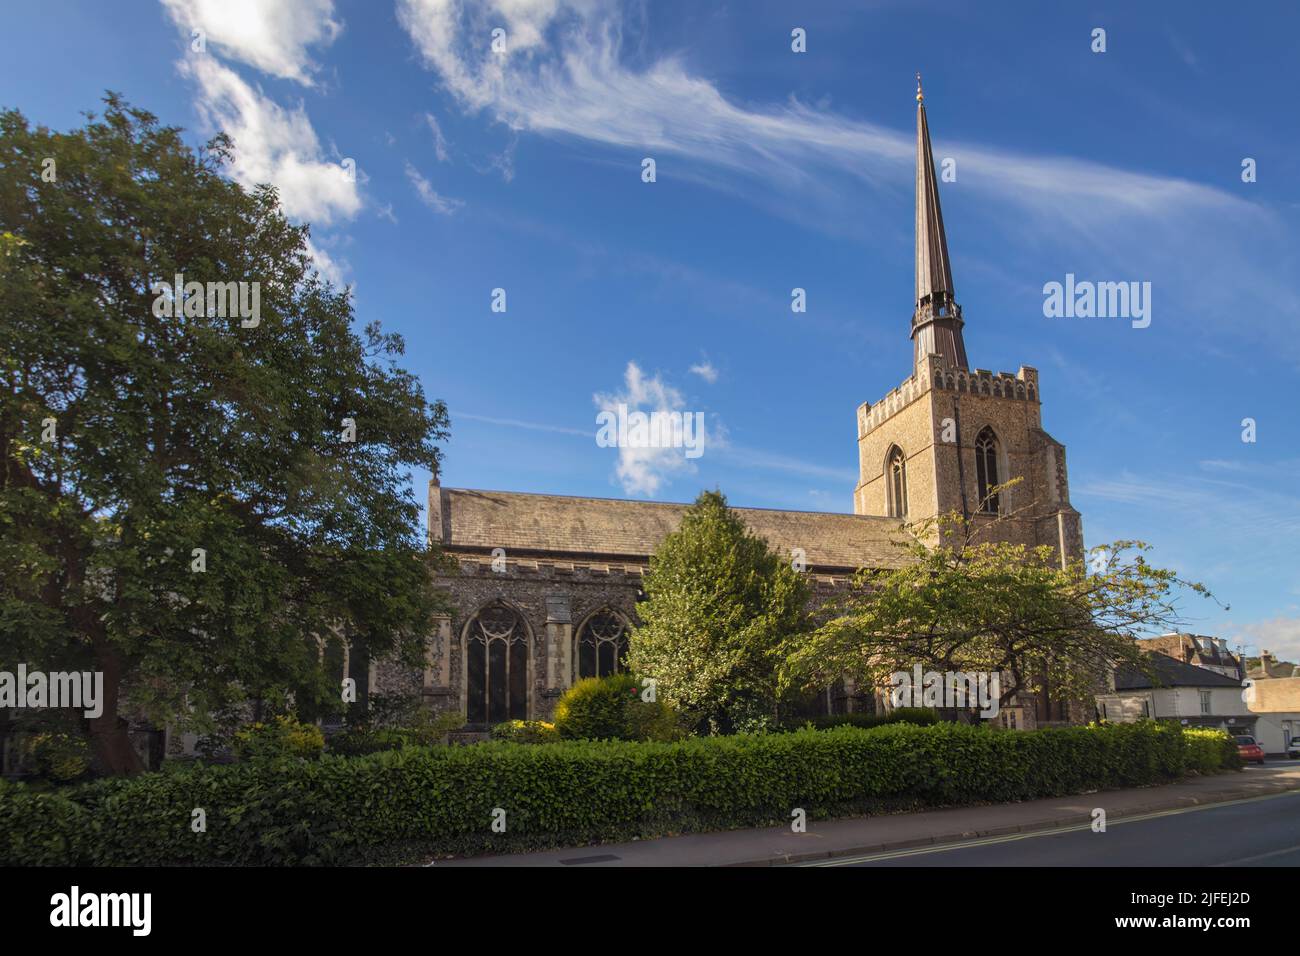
x,y
936,324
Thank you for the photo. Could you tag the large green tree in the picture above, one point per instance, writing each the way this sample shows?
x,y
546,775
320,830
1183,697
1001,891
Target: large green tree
x,y
719,604
182,503
962,602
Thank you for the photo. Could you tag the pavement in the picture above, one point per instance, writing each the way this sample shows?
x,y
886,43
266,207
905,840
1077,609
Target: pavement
x,y
865,836
1251,832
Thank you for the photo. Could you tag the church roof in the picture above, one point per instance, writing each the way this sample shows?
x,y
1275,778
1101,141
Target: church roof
x,y
561,525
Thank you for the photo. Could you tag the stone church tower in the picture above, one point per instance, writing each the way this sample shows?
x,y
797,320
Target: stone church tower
x,y
942,439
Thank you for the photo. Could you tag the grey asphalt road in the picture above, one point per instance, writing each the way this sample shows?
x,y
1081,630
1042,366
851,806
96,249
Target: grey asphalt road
x,y
1261,831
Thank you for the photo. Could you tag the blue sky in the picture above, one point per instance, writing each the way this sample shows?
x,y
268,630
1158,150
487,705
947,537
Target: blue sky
x,y
522,171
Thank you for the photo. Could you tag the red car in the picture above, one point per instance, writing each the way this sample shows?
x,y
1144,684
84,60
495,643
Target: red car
x,y
1250,750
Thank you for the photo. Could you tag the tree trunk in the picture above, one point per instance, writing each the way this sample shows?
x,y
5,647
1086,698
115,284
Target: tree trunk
x,y
108,737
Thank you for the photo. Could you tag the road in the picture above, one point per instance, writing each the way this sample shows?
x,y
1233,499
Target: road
x,y
1260,831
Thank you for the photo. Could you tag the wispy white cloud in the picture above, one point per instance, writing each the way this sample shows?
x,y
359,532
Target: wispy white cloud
x,y
564,74
1220,527
333,269
429,196
272,37
1281,635
439,141
706,371
272,144
752,458
527,426
748,458
1286,469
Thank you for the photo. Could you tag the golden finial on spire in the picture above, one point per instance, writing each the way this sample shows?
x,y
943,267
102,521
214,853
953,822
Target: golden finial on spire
x,y
920,97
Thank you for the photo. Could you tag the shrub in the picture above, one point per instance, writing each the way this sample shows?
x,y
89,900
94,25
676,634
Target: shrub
x,y
526,732
431,800
611,708
595,708
281,737
920,716
427,729
356,741
653,721
57,756
1210,750
424,730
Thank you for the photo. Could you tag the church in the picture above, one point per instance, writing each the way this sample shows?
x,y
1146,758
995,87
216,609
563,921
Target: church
x,y
547,585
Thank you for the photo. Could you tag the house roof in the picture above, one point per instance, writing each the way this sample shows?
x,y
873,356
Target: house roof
x,y
1198,649
1169,673
474,520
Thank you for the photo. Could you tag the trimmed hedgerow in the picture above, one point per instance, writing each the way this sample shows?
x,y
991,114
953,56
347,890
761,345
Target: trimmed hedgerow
x,y
526,732
921,716
401,803
1209,751
41,828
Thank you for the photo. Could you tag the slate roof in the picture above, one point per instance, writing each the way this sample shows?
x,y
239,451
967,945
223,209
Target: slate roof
x,y
1170,673
565,526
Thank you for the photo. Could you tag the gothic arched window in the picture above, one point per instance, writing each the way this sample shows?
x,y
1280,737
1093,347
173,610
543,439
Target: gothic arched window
x,y
986,469
602,644
896,482
496,666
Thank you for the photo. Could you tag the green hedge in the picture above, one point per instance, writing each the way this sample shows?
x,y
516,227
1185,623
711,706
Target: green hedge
x,y
397,804
1209,751
921,716
526,732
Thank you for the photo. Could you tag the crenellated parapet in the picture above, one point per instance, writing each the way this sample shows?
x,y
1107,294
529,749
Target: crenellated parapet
x,y
936,374
871,416
1023,385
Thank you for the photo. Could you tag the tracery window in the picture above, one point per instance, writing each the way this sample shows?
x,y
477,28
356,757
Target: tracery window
x,y
602,644
496,666
896,482
986,469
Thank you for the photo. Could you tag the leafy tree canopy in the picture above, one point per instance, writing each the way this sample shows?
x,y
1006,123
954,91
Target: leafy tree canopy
x,y
719,605
959,603
131,438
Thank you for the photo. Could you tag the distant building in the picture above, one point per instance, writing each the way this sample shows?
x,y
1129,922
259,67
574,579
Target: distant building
x,y
1195,696
1209,652
1276,701
1269,666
